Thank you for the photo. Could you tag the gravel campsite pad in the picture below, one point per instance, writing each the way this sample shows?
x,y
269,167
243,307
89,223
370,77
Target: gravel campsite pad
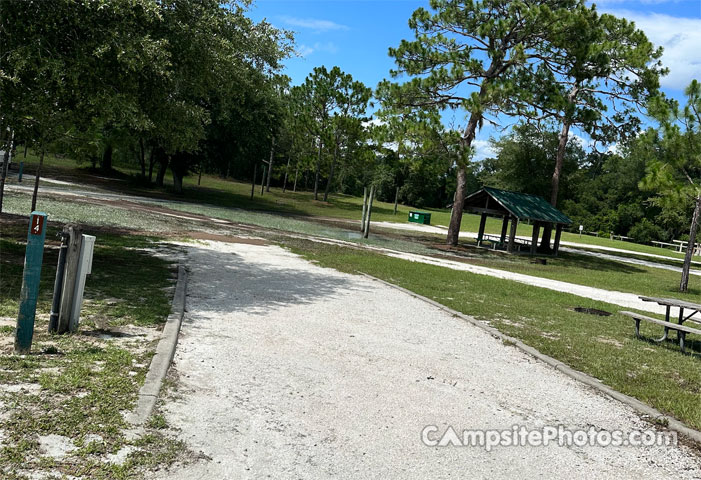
x,y
290,370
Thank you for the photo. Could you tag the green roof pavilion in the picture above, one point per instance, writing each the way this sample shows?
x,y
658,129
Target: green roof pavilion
x,y
515,207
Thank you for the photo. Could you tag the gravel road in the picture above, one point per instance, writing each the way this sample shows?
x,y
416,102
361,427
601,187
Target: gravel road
x,y
288,370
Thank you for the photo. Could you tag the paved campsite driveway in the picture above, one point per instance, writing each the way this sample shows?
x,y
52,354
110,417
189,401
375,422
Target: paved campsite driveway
x,y
288,370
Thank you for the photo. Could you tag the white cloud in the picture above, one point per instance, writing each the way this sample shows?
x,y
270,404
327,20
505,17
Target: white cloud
x,y
315,24
305,50
483,149
681,39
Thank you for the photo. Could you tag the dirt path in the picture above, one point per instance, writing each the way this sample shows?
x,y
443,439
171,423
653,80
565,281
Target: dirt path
x,y
288,370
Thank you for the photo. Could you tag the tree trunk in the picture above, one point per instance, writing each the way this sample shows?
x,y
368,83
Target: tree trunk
x,y
287,169
333,166
294,187
365,209
142,157
36,180
151,163
177,181
199,176
684,284
262,181
318,168
162,167
555,189
253,181
456,212
107,159
228,169
5,166
396,200
270,166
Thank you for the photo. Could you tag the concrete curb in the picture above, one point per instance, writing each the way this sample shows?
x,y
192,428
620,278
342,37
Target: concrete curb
x,y
148,394
653,415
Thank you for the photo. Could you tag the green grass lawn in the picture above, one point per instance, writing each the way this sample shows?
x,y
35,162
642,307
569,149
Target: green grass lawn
x,y
604,347
595,272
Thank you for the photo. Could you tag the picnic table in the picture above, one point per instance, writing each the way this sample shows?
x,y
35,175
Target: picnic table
x,y
668,324
683,246
665,244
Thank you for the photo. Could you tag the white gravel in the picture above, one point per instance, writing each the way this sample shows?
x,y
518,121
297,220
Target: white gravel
x,y
629,260
440,229
288,370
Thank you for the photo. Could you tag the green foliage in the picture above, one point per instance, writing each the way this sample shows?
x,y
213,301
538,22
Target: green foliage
x,y
677,168
524,161
645,231
145,77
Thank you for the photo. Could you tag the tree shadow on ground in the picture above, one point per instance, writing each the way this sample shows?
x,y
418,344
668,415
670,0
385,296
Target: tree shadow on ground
x,y
226,282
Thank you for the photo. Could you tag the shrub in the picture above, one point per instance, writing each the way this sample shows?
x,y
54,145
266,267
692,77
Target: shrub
x,y
645,231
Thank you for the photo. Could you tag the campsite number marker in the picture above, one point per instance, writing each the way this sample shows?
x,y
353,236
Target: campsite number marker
x,y
30,282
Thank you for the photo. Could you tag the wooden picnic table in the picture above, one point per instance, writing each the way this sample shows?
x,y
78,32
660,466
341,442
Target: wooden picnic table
x,y
681,305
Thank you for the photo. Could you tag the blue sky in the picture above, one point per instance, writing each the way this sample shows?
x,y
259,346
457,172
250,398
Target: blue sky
x,y
356,34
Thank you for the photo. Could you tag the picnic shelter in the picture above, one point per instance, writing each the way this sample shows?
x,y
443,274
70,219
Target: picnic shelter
x,y
515,207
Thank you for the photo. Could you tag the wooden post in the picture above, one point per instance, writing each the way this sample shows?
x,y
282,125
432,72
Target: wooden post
x,y
504,228
69,277
367,221
253,182
365,211
396,200
534,237
483,223
512,235
558,233
30,282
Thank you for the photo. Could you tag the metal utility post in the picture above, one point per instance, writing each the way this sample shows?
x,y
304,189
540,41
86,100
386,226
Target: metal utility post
x,y
58,283
69,279
87,245
30,282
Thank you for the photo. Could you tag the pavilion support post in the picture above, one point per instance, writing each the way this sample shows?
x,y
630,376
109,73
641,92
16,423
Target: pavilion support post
x,y
504,228
483,222
534,238
558,234
512,235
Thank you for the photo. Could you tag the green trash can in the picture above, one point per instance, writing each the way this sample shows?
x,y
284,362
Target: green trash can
x,y
420,217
